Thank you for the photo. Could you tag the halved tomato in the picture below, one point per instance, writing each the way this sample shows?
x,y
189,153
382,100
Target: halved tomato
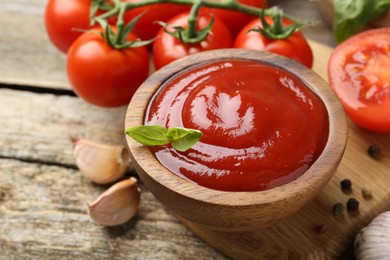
x,y
359,73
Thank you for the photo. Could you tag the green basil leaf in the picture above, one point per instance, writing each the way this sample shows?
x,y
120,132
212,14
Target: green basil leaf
x,y
352,15
383,4
183,139
347,18
149,135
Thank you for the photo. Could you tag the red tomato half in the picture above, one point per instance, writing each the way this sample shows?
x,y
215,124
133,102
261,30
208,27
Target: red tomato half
x,y
62,17
146,27
359,73
167,48
105,76
234,20
295,47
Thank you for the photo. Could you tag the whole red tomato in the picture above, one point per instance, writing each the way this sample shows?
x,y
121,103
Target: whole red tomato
x,y
359,73
294,47
146,27
62,17
235,20
167,48
105,76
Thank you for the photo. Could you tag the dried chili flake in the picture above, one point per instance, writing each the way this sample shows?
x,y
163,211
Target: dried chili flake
x,y
321,229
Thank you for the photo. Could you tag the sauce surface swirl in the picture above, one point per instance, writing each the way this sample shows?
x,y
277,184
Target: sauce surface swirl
x,y
262,126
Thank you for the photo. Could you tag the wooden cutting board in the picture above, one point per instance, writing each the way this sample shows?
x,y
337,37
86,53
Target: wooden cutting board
x,y
298,236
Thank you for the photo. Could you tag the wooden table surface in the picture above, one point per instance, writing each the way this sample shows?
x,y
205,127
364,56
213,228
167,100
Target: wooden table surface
x,y
43,196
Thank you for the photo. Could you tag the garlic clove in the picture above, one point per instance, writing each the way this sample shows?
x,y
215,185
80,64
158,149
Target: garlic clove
x,y
373,241
100,163
117,205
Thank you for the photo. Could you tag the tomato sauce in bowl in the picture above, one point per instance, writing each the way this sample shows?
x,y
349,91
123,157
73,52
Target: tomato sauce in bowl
x,y
262,126
258,114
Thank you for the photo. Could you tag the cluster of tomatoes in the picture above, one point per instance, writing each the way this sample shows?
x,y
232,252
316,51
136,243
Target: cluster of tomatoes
x,y
108,77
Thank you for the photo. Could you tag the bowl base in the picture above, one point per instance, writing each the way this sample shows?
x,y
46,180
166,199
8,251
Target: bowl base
x,y
238,245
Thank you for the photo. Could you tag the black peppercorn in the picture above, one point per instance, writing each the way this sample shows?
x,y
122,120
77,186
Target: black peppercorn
x,y
352,204
346,185
374,151
338,209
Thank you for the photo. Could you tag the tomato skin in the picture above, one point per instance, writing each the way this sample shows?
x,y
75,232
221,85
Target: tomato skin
x,y
234,20
295,47
359,73
167,48
61,17
105,76
146,27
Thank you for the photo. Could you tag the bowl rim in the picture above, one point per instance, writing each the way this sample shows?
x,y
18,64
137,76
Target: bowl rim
x,y
313,179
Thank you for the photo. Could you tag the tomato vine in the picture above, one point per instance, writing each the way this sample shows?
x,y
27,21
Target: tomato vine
x,y
106,42
225,4
191,35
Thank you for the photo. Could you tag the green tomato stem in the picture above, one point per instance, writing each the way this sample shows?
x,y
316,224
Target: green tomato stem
x,y
227,4
109,13
192,19
278,27
120,24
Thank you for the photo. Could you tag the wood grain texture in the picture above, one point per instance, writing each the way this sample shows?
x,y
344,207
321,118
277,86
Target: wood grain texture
x,y
43,195
27,56
40,126
44,216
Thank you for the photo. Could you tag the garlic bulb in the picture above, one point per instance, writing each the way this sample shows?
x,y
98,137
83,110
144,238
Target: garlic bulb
x,y
117,205
373,241
99,162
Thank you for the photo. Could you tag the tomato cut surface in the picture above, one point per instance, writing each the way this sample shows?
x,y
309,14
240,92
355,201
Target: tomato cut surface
x,y
359,73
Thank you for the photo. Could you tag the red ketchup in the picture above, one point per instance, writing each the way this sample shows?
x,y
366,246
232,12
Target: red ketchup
x,y
262,126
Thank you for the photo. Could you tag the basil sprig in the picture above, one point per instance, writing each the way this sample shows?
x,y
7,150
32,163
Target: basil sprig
x,y
180,138
352,15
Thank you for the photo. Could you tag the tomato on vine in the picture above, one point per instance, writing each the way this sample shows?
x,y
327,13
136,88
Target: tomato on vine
x,y
147,27
106,67
174,42
235,20
62,17
278,35
66,20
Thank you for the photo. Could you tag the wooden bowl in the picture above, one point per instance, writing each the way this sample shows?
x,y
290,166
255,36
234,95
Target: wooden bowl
x,y
236,211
